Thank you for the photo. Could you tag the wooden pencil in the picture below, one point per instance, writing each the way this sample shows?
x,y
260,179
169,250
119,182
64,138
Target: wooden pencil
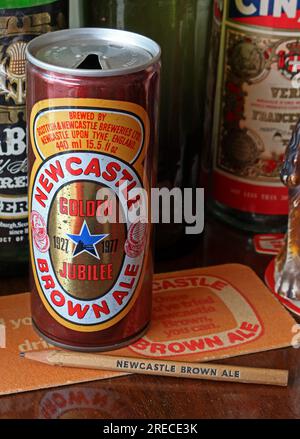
x,y
204,371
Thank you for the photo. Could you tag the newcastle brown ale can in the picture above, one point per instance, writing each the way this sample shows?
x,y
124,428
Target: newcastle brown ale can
x,y
92,109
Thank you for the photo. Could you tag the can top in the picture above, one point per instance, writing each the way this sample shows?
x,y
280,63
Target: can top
x,y
93,52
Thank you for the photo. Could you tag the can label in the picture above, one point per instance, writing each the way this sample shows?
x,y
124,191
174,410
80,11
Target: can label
x,y
17,28
258,105
88,272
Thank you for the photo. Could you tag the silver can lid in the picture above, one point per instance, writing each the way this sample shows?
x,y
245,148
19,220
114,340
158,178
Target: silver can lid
x,y
93,52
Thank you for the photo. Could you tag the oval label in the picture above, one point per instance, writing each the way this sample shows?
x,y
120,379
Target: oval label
x,y
87,253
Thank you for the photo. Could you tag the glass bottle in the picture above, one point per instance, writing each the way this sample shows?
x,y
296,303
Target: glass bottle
x,y
181,28
257,107
20,21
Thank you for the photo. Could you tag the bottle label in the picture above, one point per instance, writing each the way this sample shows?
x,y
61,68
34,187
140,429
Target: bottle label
x,y
17,28
258,105
88,264
273,14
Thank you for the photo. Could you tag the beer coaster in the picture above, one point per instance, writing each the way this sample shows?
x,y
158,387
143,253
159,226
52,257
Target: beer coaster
x,y
292,305
202,314
268,244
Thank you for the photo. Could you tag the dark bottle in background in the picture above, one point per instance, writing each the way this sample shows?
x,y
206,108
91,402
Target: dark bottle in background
x,y
181,28
206,162
20,22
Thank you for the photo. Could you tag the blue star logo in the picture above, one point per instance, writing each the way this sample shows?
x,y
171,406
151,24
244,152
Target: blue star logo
x,y
85,242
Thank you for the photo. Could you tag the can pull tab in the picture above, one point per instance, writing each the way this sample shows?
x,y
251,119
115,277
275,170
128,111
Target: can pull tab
x,y
90,62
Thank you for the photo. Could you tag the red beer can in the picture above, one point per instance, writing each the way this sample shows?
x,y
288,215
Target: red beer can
x,y
92,107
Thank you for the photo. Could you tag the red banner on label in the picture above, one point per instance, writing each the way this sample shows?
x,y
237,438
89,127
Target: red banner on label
x,y
282,22
247,197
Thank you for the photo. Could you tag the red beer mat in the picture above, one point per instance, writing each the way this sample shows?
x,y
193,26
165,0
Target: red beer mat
x,y
291,305
198,315
268,244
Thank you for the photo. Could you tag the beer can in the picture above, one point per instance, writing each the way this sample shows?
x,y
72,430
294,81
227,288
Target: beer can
x,y
92,109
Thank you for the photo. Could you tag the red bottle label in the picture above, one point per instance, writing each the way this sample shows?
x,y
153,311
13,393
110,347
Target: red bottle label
x,y
275,14
258,105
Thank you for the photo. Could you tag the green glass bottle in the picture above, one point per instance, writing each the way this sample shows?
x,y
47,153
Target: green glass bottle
x,y
20,21
181,28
